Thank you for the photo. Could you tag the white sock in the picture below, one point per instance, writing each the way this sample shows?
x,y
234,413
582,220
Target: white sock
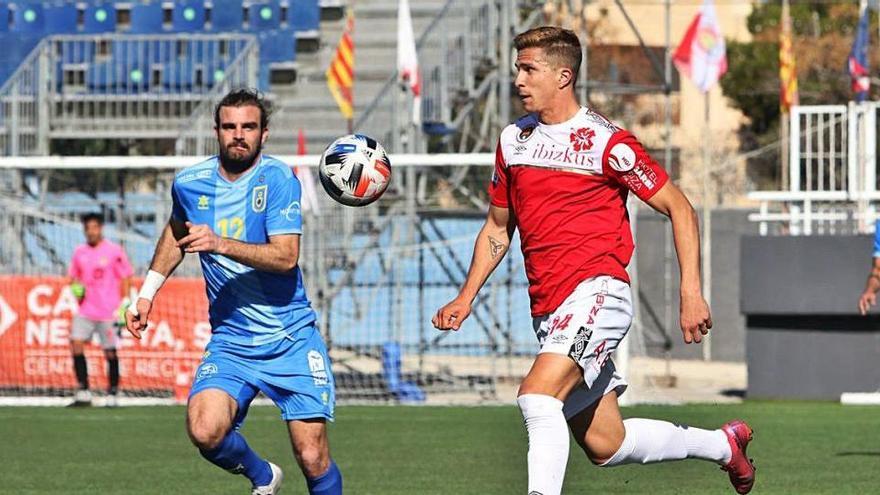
x,y
548,442
649,440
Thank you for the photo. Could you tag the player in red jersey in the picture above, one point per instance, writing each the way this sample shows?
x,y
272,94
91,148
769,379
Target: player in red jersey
x,y
562,176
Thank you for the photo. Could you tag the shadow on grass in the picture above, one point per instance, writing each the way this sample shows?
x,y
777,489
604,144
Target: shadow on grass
x,y
864,453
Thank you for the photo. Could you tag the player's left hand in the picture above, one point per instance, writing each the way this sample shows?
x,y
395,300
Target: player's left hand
x,y
696,320
200,239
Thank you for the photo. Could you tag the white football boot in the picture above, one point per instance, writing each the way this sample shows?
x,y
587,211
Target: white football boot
x,y
81,398
274,486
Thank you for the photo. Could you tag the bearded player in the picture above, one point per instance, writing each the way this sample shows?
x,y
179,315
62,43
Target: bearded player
x,y
562,176
240,211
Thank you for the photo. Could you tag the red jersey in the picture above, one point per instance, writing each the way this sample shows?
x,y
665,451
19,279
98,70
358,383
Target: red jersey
x,y
566,185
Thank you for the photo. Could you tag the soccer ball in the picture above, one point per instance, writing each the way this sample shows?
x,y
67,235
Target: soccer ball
x,y
355,170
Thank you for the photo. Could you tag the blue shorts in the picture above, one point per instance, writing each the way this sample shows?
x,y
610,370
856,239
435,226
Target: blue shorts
x,y
294,372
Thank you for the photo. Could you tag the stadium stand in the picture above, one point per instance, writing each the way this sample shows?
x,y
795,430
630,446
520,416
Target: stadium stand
x,y
136,70
274,23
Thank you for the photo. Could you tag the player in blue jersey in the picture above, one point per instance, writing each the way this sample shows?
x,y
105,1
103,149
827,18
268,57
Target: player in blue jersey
x,y
240,211
869,296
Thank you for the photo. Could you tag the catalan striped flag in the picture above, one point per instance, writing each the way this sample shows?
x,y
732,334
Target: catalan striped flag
x,y
788,90
340,75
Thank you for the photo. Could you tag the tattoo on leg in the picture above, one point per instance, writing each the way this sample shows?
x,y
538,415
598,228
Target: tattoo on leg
x,y
496,247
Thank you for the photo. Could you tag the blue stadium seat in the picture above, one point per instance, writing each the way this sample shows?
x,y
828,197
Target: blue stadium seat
x,y
161,51
99,18
78,52
100,76
200,51
277,46
179,75
304,15
61,18
263,77
4,17
146,18
227,15
133,60
264,15
188,16
8,58
29,18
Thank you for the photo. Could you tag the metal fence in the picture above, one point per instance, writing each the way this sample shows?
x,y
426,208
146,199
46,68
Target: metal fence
x,y
832,173
111,85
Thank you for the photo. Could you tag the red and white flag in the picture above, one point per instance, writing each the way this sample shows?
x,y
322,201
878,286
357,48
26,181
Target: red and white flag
x,y
309,198
407,58
702,54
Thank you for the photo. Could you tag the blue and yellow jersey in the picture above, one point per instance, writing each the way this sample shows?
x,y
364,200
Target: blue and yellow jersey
x,y
247,306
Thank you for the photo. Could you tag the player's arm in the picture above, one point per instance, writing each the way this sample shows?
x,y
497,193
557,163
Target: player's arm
x,y
166,258
73,279
491,245
280,254
869,296
696,319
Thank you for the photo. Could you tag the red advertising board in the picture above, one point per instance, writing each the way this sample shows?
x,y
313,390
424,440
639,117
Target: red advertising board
x,y
35,321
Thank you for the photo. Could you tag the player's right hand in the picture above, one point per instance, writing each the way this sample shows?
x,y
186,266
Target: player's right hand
x,y
451,316
136,317
868,300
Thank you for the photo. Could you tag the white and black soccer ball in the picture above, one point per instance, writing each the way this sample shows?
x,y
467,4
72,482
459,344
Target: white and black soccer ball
x,y
355,170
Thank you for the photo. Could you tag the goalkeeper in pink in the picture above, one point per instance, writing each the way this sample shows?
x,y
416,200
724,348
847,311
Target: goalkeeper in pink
x,y
99,274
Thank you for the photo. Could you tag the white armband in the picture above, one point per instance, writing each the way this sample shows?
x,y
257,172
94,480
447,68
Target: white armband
x,y
152,283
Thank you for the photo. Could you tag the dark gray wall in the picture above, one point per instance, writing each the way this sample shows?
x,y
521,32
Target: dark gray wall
x,y
819,357
804,275
728,335
805,337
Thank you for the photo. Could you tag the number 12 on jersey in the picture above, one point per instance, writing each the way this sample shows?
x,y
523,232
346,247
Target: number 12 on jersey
x,y
230,227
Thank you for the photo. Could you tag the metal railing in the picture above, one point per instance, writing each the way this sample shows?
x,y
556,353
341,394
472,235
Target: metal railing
x,y
832,174
118,86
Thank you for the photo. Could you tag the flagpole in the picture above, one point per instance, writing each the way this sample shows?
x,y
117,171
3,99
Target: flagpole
x,y
707,221
784,118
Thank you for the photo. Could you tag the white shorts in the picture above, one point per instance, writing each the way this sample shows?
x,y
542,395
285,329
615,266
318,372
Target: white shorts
x,y
587,327
83,328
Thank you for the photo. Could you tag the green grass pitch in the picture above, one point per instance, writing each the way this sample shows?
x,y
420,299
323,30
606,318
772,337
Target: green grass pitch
x,y
799,448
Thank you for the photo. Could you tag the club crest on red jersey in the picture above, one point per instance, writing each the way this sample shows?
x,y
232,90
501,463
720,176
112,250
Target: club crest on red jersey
x,y
582,139
525,134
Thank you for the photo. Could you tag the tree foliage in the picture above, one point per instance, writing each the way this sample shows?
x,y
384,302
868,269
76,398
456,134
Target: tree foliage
x,y
822,37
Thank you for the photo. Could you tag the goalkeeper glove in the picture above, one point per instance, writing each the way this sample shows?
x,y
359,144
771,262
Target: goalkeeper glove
x,y
78,290
120,312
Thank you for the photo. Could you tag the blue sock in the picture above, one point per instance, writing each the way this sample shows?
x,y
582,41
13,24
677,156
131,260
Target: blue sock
x,y
234,455
329,483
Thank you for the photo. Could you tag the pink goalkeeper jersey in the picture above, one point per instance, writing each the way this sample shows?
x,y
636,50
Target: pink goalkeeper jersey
x,y
101,270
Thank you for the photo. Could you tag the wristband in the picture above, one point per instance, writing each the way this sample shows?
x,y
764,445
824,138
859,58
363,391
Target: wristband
x,y
152,283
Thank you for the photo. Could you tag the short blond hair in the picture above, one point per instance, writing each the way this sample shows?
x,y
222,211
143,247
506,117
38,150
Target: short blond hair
x,y
561,46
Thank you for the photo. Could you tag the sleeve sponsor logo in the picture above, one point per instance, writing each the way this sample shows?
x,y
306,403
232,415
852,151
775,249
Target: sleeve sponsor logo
x,y
642,175
291,212
622,158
